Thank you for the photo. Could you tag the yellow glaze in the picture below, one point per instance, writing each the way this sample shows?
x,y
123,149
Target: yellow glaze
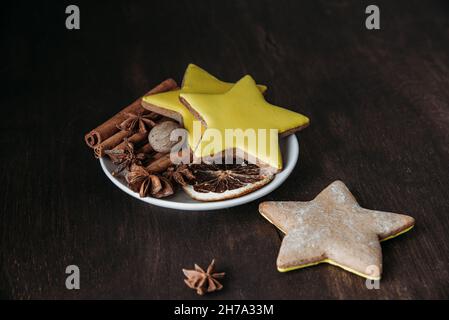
x,y
243,107
196,80
342,266
170,101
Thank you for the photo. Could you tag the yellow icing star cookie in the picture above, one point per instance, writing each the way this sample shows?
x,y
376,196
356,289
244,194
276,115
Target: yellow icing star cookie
x,y
334,229
242,112
196,80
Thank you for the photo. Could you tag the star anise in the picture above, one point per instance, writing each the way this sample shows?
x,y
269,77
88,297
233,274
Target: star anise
x,y
180,174
203,281
141,122
125,158
148,184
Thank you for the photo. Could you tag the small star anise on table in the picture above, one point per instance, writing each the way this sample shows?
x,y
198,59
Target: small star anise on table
x,y
141,122
125,158
203,281
148,184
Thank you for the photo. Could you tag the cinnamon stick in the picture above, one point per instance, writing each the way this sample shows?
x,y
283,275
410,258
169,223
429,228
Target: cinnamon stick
x,y
158,155
138,139
146,149
159,165
107,129
109,143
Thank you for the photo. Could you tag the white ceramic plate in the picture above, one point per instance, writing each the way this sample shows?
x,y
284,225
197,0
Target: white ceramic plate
x,y
181,201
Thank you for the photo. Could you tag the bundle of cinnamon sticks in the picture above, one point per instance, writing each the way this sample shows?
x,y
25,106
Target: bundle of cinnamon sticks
x,y
109,135
124,138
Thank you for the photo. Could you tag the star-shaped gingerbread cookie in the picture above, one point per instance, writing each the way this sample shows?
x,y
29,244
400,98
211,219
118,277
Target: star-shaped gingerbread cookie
x,y
196,80
333,228
241,119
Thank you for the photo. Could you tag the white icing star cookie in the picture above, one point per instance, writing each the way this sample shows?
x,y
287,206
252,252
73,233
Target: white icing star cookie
x,y
334,229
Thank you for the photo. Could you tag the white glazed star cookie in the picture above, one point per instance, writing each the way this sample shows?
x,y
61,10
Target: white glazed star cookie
x,y
334,229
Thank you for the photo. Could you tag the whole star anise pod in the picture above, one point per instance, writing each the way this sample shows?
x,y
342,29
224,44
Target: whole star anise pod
x,y
180,174
148,184
125,158
141,122
203,281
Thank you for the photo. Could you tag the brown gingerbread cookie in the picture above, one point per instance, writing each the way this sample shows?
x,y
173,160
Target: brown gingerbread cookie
x,y
333,228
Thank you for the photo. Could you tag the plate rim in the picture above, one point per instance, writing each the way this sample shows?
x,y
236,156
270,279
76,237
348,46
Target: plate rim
x,y
291,143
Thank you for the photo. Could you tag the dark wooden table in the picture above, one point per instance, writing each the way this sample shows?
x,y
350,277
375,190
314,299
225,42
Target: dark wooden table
x,y
379,107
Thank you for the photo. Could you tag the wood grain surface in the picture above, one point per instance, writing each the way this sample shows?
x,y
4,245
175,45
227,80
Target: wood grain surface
x,y
379,108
